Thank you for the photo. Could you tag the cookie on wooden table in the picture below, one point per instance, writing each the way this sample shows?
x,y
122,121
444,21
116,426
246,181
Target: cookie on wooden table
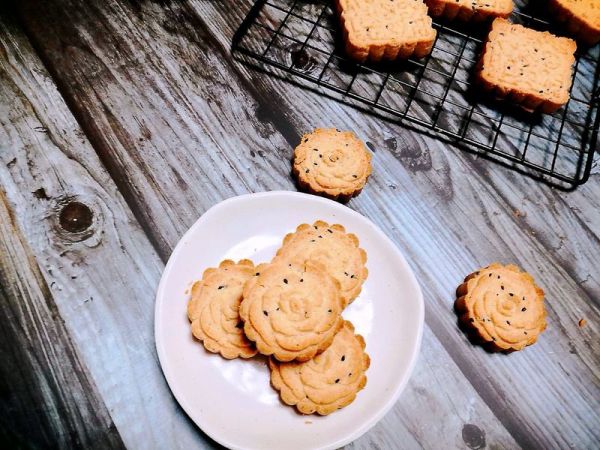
x,y
531,68
470,10
384,29
213,309
333,248
327,382
292,311
580,17
502,306
332,163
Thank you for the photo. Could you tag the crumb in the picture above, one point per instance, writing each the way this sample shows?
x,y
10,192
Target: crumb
x,y
308,422
519,213
582,323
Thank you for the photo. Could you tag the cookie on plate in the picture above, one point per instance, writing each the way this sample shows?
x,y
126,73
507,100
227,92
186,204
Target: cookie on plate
x,y
470,10
581,18
332,163
291,311
384,29
213,309
331,246
327,382
502,306
531,68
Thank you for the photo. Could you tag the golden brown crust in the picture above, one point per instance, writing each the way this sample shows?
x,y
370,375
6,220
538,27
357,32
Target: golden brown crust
x,y
502,306
581,18
470,10
530,68
328,382
334,248
213,309
332,163
381,29
291,311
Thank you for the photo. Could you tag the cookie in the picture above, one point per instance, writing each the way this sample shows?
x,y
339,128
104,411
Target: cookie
x,y
331,246
291,311
470,10
327,382
213,309
384,29
332,163
531,68
580,17
502,306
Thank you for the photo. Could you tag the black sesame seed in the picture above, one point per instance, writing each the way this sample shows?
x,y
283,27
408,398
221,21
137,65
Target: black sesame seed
x,y
508,322
307,170
328,310
221,287
285,280
489,274
329,231
265,313
337,380
320,237
523,309
343,358
525,332
511,294
350,374
502,287
301,280
257,274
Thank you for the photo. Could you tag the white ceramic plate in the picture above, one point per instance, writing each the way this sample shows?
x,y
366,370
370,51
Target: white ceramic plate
x,y
232,401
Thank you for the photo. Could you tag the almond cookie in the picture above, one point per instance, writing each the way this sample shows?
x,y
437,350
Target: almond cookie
x,y
530,68
502,306
213,309
332,247
328,382
384,29
332,163
292,311
470,10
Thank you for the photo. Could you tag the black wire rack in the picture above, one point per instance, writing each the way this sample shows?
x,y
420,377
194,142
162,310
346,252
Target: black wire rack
x,y
300,41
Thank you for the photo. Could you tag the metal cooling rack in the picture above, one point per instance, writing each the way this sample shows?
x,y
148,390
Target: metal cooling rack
x,y
300,41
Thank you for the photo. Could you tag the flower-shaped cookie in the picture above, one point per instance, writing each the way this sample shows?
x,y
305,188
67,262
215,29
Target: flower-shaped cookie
x,y
503,306
332,163
327,382
213,309
332,247
291,311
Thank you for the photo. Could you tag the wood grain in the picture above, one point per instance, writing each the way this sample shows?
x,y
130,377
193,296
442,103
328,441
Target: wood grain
x,y
48,398
166,108
78,305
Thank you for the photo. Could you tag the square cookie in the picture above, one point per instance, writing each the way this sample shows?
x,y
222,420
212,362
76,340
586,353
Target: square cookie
x,y
470,10
384,29
531,68
581,18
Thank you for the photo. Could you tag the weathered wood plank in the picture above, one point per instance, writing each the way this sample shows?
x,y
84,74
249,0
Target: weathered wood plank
x,y
83,320
432,202
48,397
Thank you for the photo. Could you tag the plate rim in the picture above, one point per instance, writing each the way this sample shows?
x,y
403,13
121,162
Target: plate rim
x,y
160,293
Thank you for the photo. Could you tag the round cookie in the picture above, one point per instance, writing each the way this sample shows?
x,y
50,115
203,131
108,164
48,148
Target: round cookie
x,y
332,247
291,311
213,309
328,382
503,307
332,163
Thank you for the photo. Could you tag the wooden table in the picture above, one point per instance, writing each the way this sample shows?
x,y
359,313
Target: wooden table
x,y
123,121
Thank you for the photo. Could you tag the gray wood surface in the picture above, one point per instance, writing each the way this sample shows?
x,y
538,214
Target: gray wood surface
x,y
140,112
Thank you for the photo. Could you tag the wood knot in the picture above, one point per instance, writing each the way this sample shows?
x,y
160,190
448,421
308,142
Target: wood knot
x,y
75,217
473,436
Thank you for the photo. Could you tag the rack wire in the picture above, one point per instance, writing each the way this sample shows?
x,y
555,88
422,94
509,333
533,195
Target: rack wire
x,y
300,41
